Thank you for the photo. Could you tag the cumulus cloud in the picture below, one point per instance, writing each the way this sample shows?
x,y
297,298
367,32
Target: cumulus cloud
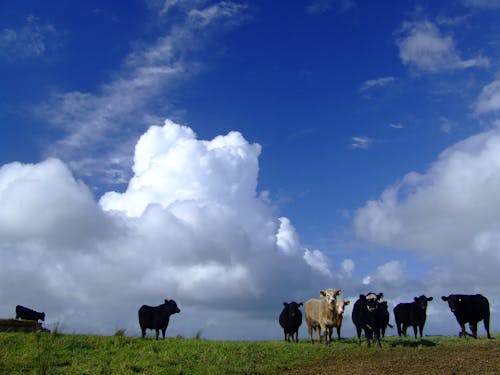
x,y
489,99
423,47
390,274
447,215
90,119
190,226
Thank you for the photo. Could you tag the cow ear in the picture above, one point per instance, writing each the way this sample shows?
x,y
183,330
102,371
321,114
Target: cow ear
x,y
322,293
285,304
347,302
430,298
444,298
362,296
301,304
338,292
380,296
415,299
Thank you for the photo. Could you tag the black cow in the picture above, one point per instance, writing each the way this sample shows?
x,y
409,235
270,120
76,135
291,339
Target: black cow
x,y
157,317
470,309
383,317
366,317
290,320
26,313
412,314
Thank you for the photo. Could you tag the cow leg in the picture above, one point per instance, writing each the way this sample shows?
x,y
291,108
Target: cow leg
x,y
163,332
463,333
421,329
473,329
377,337
157,333
318,333
487,325
310,331
358,334
368,336
143,332
415,331
338,332
328,335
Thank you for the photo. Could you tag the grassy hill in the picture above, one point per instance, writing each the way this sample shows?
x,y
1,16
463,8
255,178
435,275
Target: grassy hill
x,y
43,353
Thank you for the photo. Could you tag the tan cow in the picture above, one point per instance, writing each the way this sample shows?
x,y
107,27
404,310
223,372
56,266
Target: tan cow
x,y
321,314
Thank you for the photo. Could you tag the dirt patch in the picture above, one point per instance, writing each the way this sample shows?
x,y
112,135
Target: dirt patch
x,y
421,359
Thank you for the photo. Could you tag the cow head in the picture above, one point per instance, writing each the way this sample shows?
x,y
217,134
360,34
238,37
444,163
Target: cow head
x,y
340,305
454,302
330,295
372,300
422,302
292,308
172,306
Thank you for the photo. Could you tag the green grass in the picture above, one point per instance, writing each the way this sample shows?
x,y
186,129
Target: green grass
x,y
42,353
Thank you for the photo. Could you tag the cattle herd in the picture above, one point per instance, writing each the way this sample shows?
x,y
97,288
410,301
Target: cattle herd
x,y
369,314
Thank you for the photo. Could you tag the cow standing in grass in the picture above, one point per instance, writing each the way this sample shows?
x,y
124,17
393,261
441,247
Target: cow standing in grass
x,y
365,316
26,313
470,309
412,314
340,305
383,317
321,314
157,317
290,320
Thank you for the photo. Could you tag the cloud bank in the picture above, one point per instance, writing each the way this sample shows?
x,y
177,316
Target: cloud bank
x,y
449,215
190,226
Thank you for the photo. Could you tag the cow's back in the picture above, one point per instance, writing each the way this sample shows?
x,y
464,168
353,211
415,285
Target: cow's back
x,y
476,308
402,312
149,316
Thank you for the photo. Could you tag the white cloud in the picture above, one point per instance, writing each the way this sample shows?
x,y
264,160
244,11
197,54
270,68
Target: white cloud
x,y
391,274
423,47
374,83
489,99
448,215
33,40
190,226
361,142
93,122
395,125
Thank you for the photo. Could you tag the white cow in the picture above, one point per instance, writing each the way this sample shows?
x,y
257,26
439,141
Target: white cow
x,y
321,314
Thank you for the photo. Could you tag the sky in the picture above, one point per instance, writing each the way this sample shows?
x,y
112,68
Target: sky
x,y
235,155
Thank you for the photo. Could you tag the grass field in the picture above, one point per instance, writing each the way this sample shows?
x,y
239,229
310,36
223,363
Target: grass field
x,y
43,353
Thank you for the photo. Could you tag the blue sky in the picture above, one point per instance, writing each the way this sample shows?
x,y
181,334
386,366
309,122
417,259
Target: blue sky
x,y
359,139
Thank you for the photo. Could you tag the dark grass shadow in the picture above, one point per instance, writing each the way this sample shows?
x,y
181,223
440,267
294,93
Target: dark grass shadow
x,y
411,343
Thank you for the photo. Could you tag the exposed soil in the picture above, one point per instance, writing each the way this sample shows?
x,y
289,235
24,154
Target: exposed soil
x,y
477,359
